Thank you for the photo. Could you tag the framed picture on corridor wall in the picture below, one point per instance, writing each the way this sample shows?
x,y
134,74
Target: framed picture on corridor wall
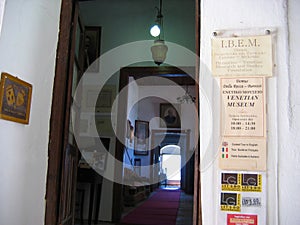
x,y
141,137
92,48
169,114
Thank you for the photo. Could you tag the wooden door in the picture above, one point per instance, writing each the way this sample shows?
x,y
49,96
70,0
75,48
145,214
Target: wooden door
x,y
63,151
70,151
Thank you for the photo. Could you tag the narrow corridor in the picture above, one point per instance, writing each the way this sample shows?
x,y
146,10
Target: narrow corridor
x,y
184,214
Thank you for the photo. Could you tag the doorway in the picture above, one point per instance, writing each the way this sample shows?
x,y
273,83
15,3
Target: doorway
x,y
147,107
171,165
59,133
179,142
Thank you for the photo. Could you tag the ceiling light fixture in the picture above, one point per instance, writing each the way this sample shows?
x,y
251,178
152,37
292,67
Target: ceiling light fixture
x,y
155,30
159,48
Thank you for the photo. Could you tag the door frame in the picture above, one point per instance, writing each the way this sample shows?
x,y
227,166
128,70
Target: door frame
x,y
57,125
56,137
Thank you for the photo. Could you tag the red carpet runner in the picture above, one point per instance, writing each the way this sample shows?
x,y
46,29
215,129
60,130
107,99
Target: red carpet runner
x,y
160,209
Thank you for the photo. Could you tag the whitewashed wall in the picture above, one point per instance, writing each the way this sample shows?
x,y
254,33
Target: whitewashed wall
x,y
282,101
2,4
289,129
27,49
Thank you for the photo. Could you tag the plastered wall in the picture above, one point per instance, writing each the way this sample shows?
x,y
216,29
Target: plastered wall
x,y
282,103
28,45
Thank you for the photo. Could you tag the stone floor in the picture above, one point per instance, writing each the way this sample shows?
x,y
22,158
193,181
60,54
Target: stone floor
x,y
185,211
184,216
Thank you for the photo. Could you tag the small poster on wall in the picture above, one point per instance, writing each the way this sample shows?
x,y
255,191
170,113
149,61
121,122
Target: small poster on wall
x,y
248,154
242,56
241,219
243,110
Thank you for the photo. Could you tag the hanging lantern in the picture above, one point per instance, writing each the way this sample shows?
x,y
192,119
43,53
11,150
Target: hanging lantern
x,y
159,51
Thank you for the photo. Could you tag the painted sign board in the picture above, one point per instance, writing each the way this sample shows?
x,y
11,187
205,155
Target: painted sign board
x,y
15,99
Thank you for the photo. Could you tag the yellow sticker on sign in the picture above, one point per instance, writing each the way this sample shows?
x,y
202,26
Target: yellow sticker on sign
x,y
251,182
230,202
231,181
